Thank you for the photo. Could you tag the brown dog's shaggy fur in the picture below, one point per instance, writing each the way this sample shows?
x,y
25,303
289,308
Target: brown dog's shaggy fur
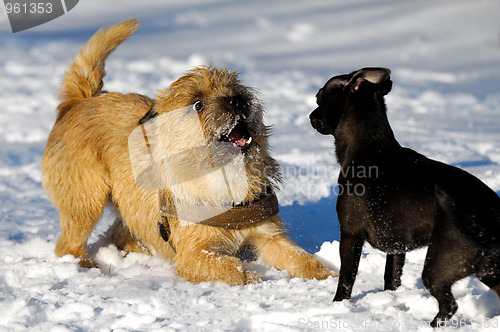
x,y
86,166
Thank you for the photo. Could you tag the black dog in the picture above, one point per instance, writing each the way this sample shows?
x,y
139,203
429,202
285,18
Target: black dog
x,y
398,200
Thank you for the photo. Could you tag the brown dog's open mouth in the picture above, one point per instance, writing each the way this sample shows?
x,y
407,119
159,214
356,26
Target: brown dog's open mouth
x,y
239,136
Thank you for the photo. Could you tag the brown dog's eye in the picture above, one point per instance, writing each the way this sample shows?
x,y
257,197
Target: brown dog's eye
x,y
198,106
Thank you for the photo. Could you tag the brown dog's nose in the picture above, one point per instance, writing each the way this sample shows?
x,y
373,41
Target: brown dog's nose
x,y
238,102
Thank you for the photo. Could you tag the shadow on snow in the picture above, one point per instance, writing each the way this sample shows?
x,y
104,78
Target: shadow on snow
x,y
312,223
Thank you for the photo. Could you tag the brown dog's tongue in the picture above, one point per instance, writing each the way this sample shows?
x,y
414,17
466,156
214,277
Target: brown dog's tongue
x,y
236,138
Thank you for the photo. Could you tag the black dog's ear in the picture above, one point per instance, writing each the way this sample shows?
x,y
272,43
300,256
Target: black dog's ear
x,y
373,76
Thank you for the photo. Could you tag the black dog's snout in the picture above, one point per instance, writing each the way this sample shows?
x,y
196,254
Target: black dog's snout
x,y
318,123
315,119
313,116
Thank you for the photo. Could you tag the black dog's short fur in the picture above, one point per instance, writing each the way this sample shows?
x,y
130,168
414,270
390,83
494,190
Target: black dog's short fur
x,y
398,200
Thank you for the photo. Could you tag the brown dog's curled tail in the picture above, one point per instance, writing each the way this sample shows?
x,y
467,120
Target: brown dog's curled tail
x,y
84,77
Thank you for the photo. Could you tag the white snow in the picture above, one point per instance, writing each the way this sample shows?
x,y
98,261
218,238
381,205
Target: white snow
x,y
445,60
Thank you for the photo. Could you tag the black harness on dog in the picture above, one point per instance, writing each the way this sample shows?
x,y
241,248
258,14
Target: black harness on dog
x,y
238,217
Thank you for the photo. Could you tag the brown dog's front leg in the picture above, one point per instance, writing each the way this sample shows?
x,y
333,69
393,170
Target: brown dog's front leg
x,y
201,264
393,270
283,254
350,254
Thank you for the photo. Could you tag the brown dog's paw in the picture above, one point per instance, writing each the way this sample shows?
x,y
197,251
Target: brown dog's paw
x,y
314,269
62,249
206,266
87,262
253,277
245,278
322,275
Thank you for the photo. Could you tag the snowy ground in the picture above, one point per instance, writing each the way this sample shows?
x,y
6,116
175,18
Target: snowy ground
x,y
445,59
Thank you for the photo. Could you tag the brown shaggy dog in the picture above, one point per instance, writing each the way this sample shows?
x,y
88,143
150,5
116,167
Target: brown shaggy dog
x,y
87,165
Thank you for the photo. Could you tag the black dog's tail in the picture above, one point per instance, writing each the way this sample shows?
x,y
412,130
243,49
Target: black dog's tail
x,y
477,225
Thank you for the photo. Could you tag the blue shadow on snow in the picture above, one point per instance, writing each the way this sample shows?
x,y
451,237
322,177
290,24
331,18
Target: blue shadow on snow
x,y
313,223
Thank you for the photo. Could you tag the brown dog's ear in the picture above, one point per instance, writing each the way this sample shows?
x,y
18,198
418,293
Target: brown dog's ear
x,y
373,76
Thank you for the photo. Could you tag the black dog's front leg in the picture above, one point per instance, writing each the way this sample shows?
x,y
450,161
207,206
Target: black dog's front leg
x,y
350,254
393,270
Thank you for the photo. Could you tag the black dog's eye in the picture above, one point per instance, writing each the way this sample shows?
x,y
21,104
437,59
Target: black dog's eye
x,y
198,106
